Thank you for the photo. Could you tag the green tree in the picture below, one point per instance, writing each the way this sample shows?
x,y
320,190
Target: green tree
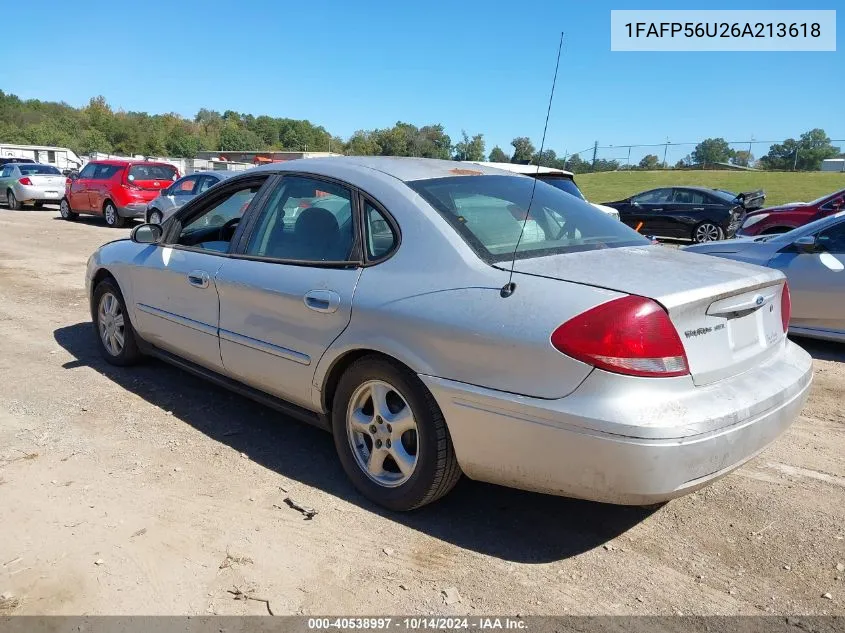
x,y
712,150
649,161
498,156
547,159
523,150
433,142
363,143
237,139
743,158
470,148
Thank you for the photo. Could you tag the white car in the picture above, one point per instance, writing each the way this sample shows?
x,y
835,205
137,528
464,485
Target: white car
x,y
31,183
563,180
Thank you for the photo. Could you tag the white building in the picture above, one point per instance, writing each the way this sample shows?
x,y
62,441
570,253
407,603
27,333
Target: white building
x,y
833,164
184,165
60,157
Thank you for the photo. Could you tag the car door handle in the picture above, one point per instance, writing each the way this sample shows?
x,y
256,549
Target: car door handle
x,y
322,300
658,209
198,278
698,208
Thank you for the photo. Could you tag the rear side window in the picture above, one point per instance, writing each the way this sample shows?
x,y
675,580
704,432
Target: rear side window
x,y
380,236
104,172
492,214
686,196
151,172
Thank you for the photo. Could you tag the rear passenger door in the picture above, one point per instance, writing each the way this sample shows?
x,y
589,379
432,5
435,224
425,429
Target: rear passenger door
x,y
688,208
286,295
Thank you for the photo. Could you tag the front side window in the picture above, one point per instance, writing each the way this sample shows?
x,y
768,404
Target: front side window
x,y
655,196
832,240
305,220
215,226
490,213
88,170
185,187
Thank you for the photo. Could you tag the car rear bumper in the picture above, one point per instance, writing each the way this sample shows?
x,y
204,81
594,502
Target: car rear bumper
x,y
132,210
620,439
37,194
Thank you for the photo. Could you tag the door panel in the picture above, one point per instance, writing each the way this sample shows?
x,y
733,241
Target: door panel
x,y
274,327
176,305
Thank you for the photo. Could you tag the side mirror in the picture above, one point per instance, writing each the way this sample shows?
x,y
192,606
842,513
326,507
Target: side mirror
x,y
806,244
146,234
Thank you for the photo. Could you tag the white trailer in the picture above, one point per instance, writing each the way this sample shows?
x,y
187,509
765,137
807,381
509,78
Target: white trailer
x,y
833,164
60,157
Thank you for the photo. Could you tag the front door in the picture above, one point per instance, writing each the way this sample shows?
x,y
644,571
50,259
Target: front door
x,y
289,295
78,195
817,281
176,296
646,211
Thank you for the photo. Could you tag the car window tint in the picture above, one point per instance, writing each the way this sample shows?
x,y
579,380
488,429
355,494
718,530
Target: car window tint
x,y
7,171
206,182
207,226
104,172
305,220
491,212
88,170
185,187
689,196
655,196
832,240
380,235
46,170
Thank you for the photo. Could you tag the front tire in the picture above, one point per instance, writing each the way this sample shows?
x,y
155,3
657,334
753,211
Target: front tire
x,y
391,437
12,202
707,232
115,334
65,210
113,218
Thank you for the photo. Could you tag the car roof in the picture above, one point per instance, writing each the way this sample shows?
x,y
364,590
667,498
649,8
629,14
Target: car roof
x,y
124,162
528,170
402,168
220,173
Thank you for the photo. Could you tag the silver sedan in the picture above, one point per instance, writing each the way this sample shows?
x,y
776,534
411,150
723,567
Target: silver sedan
x,y
31,183
380,299
813,259
180,192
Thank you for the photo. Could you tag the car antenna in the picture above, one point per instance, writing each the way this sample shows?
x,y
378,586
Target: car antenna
x,y
508,288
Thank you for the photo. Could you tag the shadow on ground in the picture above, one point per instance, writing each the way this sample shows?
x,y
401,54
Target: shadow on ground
x,y
821,350
96,221
508,524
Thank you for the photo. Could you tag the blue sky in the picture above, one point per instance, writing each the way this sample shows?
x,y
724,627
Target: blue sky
x,y
482,66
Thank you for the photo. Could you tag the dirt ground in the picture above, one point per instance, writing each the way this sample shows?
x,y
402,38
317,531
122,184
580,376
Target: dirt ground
x,y
147,491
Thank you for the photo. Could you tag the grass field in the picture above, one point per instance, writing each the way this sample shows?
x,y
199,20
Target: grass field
x,y
780,187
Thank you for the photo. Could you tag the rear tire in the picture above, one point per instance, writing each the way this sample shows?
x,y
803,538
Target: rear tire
x,y
114,331
113,218
12,202
65,211
420,439
707,232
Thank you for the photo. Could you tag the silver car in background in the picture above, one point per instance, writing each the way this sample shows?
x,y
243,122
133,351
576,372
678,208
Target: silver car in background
x,y
393,312
31,183
180,192
813,259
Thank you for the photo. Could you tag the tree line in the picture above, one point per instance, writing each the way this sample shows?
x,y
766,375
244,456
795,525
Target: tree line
x,y
97,127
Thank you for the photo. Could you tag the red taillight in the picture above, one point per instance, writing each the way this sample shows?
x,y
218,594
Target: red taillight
x,y
25,181
785,306
68,182
630,335
130,187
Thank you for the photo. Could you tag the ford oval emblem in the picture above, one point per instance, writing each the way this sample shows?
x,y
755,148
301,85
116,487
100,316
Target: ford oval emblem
x,y
759,300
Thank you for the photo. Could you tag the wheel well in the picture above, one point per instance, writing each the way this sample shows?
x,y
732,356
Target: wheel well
x,y
105,202
100,275
340,366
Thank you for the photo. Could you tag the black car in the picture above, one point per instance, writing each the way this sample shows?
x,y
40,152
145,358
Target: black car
x,y
5,160
693,213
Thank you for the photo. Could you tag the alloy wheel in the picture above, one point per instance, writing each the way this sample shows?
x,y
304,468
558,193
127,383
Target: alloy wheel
x,y
382,432
64,210
111,323
111,215
707,232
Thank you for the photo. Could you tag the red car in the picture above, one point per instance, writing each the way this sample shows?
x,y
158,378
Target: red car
x,y
789,216
115,189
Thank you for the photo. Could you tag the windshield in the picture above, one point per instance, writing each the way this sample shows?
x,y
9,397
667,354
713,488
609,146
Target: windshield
x,y
32,170
152,172
489,212
825,197
565,184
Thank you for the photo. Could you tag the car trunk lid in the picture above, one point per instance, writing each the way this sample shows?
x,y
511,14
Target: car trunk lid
x,y
727,314
53,182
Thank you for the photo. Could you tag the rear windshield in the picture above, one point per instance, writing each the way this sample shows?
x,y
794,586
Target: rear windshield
x,y
152,172
489,213
726,196
565,184
31,170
